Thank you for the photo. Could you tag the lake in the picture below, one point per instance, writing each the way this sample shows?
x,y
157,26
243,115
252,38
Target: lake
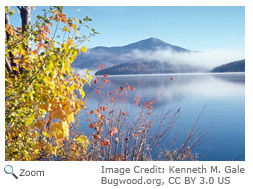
x,y
221,97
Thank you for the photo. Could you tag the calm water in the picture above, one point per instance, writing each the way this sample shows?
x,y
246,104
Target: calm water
x,y
222,95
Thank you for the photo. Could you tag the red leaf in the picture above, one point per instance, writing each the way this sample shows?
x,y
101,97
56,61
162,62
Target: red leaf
x,y
95,81
106,142
87,120
123,113
110,93
35,52
136,98
105,75
41,45
121,88
192,158
113,131
91,112
115,91
102,143
112,99
139,131
171,78
98,92
132,88
91,125
101,67
97,111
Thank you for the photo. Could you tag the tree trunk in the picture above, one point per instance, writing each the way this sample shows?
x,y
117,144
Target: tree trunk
x,y
25,12
7,63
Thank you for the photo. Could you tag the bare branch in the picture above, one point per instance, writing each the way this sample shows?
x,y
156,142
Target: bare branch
x,y
19,8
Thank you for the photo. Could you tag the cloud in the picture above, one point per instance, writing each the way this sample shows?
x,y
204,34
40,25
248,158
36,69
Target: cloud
x,y
83,72
78,10
205,59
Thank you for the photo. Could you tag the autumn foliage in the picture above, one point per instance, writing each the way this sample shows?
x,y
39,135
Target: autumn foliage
x,y
41,97
44,99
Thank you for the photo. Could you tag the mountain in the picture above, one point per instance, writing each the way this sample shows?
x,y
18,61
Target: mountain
x,y
237,66
111,56
146,67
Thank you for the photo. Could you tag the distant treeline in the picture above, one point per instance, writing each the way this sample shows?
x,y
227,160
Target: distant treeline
x,y
237,66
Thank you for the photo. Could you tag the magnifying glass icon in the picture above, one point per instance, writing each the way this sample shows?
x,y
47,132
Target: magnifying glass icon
x,y
8,169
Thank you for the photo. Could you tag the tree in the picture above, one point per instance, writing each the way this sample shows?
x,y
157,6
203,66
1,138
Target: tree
x,y
43,94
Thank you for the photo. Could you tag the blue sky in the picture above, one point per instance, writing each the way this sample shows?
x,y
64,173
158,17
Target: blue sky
x,y
194,28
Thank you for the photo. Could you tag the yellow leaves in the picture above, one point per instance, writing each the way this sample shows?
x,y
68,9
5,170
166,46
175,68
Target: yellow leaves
x,y
72,88
76,20
59,130
50,65
75,30
58,114
34,55
46,106
62,17
61,111
70,41
20,61
84,49
82,93
71,117
51,149
59,16
47,94
30,120
39,124
65,29
10,30
45,134
81,139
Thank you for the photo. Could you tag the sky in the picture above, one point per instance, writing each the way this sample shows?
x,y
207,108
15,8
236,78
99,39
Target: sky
x,y
194,28
215,34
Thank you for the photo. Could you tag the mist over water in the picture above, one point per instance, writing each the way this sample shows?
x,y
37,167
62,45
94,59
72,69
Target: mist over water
x,y
207,59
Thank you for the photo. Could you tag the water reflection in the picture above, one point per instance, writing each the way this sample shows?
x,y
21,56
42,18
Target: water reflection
x,y
223,94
